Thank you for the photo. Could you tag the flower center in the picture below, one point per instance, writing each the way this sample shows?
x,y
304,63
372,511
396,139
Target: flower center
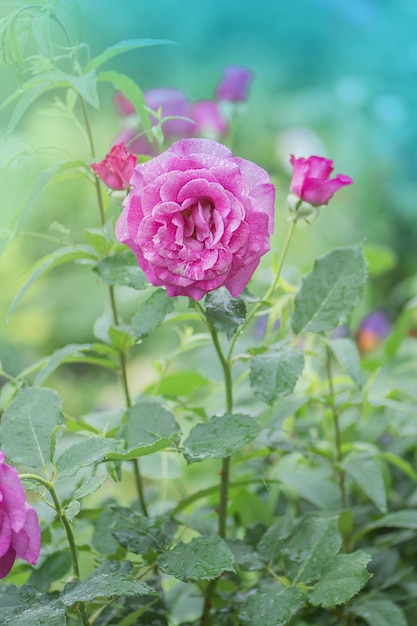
x,y
198,221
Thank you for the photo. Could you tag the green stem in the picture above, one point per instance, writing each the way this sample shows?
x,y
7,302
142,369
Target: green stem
x,y
269,292
337,431
68,530
115,314
225,471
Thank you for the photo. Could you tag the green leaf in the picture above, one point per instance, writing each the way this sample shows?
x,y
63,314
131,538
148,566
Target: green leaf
x,y
84,454
314,484
183,383
271,605
274,374
313,544
138,534
245,556
380,259
47,177
149,428
108,581
27,424
366,471
222,436
151,313
343,579
57,358
45,265
223,312
54,567
203,558
346,352
121,337
379,612
271,545
131,90
122,269
399,519
120,48
401,463
330,291
89,486
24,606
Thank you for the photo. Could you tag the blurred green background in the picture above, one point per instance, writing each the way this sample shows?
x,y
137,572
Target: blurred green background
x,y
332,77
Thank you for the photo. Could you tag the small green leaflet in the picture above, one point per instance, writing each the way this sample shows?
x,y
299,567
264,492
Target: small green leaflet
x,y
120,48
220,437
274,374
203,558
223,312
271,605
343,579
330,291
27,427
110,580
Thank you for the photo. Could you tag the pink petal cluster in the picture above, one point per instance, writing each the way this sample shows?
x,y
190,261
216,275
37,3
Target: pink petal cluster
x,y
198,218
20,535
234,84
311,182
116,168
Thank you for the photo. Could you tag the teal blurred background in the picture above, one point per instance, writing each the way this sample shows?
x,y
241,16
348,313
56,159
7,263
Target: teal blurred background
x,y
332,77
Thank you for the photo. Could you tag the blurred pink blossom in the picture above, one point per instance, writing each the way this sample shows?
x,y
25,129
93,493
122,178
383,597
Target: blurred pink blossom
x,y
20,535
208,119
234,84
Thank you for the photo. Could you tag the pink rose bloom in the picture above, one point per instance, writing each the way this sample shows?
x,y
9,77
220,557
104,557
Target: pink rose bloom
x,y
311,182
234,84
116,168
208,119
20,535
198,218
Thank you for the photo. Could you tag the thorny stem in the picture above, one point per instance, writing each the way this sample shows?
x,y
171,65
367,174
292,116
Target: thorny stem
x,y
115,314
336,424
68,530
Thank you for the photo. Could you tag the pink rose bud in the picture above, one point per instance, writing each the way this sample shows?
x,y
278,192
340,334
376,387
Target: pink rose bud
x,y
198,218
311,182
116,168
20,535
123,106
234,84
208,119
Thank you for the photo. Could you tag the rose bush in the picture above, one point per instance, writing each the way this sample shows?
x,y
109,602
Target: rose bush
x,y
198,218
20,535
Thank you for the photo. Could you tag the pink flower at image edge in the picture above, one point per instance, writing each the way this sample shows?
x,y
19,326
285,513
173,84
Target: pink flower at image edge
x,y
20,535
311,180
198,218
116,168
